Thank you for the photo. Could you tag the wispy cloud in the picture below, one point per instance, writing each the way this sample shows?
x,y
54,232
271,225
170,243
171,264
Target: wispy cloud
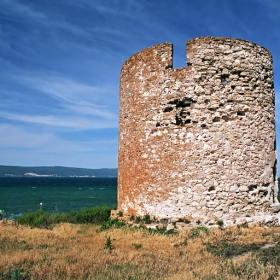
x,y
47,142
24,147
114,8
17,137
18,10
77,106
66,90
73,123
13,10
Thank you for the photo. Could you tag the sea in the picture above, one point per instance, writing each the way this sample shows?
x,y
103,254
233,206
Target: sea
x,y
19,195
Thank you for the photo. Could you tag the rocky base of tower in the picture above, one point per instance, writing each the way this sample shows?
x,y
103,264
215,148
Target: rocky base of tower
x,y
265,219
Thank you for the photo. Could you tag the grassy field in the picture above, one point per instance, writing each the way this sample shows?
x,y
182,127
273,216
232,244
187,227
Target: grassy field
x,y
88,251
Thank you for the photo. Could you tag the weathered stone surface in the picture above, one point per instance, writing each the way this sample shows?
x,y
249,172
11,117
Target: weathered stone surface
x,y
170,227
276,207
198,141
181,225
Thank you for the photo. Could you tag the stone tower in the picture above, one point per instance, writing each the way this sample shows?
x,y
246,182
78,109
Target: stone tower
x,y
198,142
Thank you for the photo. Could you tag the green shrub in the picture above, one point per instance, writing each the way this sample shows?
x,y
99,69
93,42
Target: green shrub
x,y
230,249
244,225
162,230
94,215
112,223
43,246
249,269
137,245
220,223
39,219
147,219
195,232
15,274
270,255
108,244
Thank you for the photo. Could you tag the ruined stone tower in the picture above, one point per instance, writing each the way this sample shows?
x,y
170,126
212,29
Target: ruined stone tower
x,y
199,141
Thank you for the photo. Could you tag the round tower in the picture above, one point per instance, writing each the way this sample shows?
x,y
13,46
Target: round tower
x,y
199,141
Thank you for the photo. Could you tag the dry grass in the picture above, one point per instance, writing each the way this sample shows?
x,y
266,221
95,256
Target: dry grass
x,y
78,252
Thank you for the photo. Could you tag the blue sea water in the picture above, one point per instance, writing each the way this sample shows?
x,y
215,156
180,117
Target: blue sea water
x,y
54,194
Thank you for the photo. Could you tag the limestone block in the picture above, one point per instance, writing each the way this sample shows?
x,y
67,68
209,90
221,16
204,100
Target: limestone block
x,y
218,214
170,226
241,220
203,203
194,203
212,222
243,188
234,188
276,207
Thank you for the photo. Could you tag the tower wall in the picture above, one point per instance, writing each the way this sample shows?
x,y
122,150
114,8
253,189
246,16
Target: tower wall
x,y
198,141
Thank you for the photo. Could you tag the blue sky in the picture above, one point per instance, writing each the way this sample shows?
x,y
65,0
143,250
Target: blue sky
x,y
60,64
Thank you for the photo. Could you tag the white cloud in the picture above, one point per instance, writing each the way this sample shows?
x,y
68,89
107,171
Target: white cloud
x,y
17,137
114,8
78,106
63,89
22,147
18,10
99,111
72,123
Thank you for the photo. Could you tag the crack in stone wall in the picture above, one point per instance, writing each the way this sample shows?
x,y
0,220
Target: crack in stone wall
x,y
198,141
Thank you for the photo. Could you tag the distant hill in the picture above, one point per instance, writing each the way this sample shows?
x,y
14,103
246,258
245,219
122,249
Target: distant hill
x,y
56,171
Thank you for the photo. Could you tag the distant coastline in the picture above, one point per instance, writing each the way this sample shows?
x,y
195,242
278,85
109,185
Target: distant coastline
x,y
55,171
30,174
